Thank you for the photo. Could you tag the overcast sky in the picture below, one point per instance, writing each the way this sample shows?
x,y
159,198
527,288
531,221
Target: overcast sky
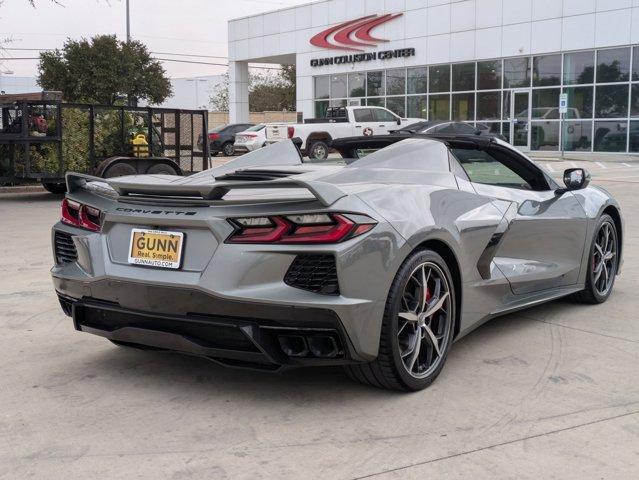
x,y
184,26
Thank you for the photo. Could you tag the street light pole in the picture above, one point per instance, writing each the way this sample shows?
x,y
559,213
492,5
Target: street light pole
x,y
128,23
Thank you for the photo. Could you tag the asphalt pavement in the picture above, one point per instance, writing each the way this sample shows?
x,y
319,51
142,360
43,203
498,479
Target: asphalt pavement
x,y
551,392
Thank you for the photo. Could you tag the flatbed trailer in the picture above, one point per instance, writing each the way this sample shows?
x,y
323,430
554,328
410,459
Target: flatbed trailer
x,y
42,140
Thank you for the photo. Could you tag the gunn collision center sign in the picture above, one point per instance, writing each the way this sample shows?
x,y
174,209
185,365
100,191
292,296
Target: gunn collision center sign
x,y
353,36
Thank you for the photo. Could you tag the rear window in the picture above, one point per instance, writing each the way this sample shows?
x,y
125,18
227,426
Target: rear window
x,y
256,128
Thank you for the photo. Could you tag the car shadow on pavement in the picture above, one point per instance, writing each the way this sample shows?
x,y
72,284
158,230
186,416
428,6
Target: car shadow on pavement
x,y
198,375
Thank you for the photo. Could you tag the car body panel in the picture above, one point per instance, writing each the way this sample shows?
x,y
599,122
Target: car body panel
x,y
512,248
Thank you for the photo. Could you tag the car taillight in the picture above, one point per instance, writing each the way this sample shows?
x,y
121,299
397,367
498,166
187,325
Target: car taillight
x,y
250,135
81,216
214,136
291,132
312,228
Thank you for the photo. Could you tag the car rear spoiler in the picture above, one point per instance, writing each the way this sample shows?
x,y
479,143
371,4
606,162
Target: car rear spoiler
x,y
158,187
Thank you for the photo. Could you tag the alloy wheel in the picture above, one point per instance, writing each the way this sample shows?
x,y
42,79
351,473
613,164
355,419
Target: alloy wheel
x,y
604,258
424,320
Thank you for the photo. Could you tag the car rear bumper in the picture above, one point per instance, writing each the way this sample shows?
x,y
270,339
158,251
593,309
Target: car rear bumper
x,y
231,333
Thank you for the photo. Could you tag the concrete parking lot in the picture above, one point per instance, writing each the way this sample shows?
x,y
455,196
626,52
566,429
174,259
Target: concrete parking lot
x,y
551,392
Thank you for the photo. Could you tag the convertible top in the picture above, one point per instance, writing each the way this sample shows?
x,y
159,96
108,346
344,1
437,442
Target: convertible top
x,y
348,146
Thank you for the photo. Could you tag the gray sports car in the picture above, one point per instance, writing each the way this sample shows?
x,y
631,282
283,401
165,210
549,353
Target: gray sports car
x,y
378,265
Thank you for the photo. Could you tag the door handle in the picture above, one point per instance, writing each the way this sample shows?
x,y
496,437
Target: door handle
x,y
382,126
358,126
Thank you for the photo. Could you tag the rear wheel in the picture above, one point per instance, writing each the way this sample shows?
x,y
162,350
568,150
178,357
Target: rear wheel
x,y
161,169
318,150
228,149
602,263
55,188
120,170
417,330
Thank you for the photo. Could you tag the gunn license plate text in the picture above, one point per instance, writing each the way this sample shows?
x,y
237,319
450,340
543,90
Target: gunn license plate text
x,y
155,248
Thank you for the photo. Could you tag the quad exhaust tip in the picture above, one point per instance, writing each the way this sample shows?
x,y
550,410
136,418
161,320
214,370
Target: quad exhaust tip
x,y
300,346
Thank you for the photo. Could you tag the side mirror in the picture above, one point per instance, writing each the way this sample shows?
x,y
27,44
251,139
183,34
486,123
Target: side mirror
x,y
399,121
575,179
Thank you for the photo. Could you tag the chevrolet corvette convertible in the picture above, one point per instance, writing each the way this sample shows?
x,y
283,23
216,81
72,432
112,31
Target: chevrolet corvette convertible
x,y
379,265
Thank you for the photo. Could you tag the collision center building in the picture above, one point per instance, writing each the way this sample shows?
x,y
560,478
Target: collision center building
x,y
501,63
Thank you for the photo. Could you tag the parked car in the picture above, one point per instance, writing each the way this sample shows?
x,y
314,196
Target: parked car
x,y
251,138
318,133
449,128
269,263
222,139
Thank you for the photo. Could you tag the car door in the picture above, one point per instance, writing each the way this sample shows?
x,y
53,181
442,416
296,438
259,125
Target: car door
x,y
364,122
543,244
385,120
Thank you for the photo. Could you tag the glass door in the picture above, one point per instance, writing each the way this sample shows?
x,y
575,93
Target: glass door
x,y
520,119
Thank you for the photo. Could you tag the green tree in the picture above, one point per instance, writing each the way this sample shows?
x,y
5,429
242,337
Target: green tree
x,y
104,70
267,92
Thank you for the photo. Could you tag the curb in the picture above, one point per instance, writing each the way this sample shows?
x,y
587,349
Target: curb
x,y
22,189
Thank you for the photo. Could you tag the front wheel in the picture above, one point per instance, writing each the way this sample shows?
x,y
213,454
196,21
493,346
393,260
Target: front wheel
x,y
417,329
603,263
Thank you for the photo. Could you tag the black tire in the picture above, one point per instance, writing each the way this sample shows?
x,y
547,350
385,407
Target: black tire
x,y
388,371
318,150
592,294
161,169
228,149
55,188
121,169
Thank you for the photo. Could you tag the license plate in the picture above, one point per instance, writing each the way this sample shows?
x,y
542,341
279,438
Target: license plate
x,y
156,248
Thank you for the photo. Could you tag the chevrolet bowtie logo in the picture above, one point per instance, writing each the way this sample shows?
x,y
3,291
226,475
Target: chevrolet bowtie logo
x,y
356,33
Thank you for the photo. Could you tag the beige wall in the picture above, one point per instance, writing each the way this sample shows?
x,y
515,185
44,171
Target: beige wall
x,y
220,118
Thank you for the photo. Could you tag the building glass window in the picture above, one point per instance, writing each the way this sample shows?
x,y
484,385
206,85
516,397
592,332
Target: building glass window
x,y
439,78
418,80
579,68
517,72
397,105
613,65
611,101
375,86
489,75
488,105
463,77
634,100
579,102
464,107
322,87
356,85
320,109
633,140
376,102
338,86
544,136
635,67
610,136
396,81
439,107
545,103
338,103
418,107
577,136
547,70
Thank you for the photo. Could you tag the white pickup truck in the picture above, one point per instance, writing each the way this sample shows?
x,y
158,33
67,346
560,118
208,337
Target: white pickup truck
x,y
318,133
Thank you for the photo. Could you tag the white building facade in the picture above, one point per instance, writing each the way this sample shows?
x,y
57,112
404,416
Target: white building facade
x,y
501,63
